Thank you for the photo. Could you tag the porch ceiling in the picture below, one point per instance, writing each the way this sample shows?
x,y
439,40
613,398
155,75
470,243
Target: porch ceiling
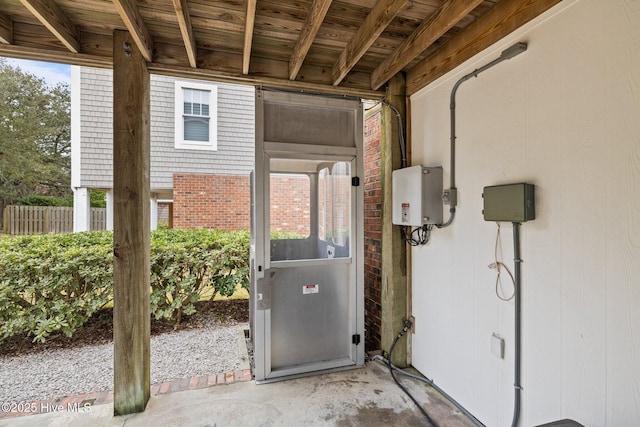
x,y
342,47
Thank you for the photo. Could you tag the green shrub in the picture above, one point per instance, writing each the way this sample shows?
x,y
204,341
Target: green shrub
x,y
38,200
285,235
187,265
97,199
54,283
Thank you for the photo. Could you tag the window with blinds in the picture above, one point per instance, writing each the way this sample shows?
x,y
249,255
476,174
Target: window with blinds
x,y
196,113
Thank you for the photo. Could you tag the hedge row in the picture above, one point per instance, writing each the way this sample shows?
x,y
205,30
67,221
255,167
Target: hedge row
x,y
54,283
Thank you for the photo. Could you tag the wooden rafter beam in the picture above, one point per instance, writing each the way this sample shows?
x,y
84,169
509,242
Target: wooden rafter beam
x,y
52,17
443,19
259,79
132,19
248,35
499,21
374,24
49,55
6,30
317,12
184,20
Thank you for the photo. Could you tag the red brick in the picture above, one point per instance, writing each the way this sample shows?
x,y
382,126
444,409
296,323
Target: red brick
x,y
202,381
180,384
164,388
211,201
229,378
211,380
372,230
155,389
193,382
103,397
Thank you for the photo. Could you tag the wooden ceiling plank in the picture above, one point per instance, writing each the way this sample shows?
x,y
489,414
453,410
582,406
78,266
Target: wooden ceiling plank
x,y
317,12
502,19
374,24
52,17
431,29
6,30
130,15
184,20
248,35
265,71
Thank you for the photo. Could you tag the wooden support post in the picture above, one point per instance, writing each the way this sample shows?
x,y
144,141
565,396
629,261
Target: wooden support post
x,y
3,218
131,235
394,270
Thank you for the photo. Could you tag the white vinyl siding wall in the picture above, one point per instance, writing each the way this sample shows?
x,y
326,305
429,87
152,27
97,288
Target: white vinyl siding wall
x,y
564,115
234,121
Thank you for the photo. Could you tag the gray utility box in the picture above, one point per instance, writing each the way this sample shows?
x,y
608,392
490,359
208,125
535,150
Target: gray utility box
x,y
509,203
417,196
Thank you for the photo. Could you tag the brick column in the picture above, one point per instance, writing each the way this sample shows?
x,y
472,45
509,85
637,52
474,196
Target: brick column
x,y
372,230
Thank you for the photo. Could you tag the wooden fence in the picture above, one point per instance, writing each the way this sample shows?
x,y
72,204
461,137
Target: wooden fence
x,y
46,219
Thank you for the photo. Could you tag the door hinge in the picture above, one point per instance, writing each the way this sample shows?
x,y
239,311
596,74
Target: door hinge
x,y
355,339
355,181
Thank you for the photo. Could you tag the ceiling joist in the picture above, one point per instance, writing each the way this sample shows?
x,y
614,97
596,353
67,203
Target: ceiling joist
x,y
132,19
374,24
248,35
186,29
329,46
6,30
501,20
317,12
52,17
431,29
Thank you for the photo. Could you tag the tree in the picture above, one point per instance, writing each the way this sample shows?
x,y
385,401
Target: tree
x,y
35,135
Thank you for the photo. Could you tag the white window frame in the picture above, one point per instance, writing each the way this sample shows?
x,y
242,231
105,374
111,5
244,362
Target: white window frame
x,y
180,142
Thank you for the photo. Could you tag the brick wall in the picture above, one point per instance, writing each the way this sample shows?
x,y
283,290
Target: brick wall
x,y
211,201
223,202
372,231
290,208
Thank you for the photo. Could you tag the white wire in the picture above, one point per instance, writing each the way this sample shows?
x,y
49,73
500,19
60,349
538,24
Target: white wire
x,y
498,265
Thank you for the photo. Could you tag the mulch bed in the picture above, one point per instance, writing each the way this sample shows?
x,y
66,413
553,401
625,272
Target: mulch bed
x,y
99,328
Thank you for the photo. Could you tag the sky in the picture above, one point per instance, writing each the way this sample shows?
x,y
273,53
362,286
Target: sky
x,y
52,73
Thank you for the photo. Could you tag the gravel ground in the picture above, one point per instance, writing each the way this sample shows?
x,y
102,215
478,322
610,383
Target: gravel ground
x,y
63,372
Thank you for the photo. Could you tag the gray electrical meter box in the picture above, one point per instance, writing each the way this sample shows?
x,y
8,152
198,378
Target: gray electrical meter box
x,y
417,196
509,203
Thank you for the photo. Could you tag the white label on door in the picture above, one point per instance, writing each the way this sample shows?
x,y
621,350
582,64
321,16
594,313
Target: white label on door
x,y
310,289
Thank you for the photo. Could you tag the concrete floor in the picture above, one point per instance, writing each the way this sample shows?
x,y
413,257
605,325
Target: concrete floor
x,y
360,397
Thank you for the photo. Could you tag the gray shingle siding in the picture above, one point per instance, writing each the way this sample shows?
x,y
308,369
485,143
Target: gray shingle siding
x,y
234,154
96,122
